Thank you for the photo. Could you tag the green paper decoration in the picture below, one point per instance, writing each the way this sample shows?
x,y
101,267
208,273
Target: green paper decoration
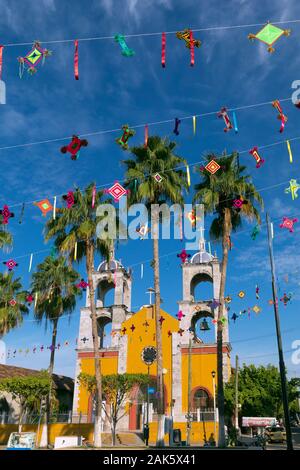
x,y
269,34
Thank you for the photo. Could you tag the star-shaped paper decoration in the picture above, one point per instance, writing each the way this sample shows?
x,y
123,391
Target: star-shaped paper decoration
x,y
241,294
269,34
45,206
212,167
184,256
158,178
288,223
116,191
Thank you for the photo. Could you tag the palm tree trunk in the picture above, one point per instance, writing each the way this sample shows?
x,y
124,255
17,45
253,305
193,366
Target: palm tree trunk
x,y
158,335
89,268
50,369
221,408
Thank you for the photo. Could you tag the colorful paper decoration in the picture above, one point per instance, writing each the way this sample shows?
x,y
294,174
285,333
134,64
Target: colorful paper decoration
x,y
293,188
241,294
75,251
235,122
12,302
74,147
132,327
6,214
29,298
180,315
234,317
290,151
188,176
45,206
214,304
22,213
84,339
142,230
176,128
259,161
184,256
94,193
116,191
257,292
10,264
163,50
158,178
54,208
190,42
229,243
227,299
30,262
82,285
269,34
212,167
223,114
69,198
36,56
288,223
146,135
76,60
238,203
126,51
256,309
282,117
286,299
123,140
255,232
180,331
1,60
194,125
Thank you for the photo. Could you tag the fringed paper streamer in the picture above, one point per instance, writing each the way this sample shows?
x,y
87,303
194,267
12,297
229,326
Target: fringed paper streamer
x,y
35,299
163,50
54,208
194,125
22,213
236,129
188,176
94,196
76,68
142,271
272,230
1,61
75,252
192,49
146,135
30,262
290,151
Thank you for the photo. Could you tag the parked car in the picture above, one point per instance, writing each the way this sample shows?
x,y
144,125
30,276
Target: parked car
x,y
275,434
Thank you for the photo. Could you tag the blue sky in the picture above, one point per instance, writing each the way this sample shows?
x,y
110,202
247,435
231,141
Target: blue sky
x,y
113,90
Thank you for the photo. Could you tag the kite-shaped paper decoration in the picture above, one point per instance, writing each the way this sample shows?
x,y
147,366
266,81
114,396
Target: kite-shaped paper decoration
x,y
6,214
255,232
269,34
29,298
288,223
36,56
10,264
12,302
74,147
224,114
286,298
259,161
45,206
241,294
69,198
214,304
289,150
227,299
212,167
116,191
238,203
176,128
126,51
282,117
293,188
163,50
256,309
158,178
82,285
184,256
234,317
127,133
257,292
180,315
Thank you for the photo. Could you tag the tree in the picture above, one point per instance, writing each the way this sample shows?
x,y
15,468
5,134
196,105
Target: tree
x,y
28,391
157,157
116,389
217,192
12,303
54,284
259,392
75,228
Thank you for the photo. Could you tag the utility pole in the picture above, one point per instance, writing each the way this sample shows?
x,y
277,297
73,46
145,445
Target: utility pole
x,y
188,416
236,392
289,440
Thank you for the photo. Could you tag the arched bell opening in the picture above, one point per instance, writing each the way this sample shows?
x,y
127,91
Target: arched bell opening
x,y
202,327
104,331
201,287
105,292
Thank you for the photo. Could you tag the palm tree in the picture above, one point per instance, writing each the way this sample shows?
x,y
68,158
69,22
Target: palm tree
x,y
217,193
12,303
157,157
75,229
54,284
5,238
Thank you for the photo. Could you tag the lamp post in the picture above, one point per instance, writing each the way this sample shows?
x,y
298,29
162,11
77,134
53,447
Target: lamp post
x,y
213,374
149,355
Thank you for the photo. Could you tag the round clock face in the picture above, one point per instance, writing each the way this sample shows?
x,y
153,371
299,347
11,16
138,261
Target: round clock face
x,y
149,355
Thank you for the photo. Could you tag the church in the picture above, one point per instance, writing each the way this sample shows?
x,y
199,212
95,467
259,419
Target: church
x,y
189,363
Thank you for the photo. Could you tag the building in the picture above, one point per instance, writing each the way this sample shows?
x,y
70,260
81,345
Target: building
x,y
182,345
